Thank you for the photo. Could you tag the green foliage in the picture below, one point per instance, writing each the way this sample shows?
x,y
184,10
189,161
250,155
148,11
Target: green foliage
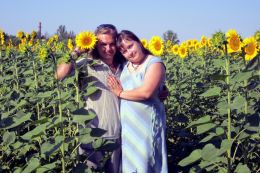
x,y
198,100
41,123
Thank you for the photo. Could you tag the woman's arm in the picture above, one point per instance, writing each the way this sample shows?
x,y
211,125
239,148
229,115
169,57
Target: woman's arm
x,y
152,81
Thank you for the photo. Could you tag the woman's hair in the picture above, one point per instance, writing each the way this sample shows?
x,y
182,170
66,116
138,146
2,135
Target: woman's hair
x,y
130,36
108,29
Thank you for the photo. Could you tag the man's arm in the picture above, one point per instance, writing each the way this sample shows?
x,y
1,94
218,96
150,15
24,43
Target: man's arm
x,y
63,70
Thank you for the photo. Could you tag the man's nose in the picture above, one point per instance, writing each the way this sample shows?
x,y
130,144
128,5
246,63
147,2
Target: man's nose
x,y
108,47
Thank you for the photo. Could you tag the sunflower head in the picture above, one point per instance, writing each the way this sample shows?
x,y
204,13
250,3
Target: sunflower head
x,y
43,53
33,34
203,41
70,45
175,49
20,34
233,41
86,40
250,48
156,46
2,38
144,43
257,36
183,51
218,39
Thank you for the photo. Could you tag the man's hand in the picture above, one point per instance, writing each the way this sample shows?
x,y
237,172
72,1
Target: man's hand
x,y
164,93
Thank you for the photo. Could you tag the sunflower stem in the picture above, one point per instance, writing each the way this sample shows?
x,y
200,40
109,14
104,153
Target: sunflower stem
x,y
227,60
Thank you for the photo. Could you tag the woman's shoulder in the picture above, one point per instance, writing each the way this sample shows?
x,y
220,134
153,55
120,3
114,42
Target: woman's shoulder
x,y
153,59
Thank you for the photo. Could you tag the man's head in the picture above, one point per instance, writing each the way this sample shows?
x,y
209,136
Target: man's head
x,y
106,44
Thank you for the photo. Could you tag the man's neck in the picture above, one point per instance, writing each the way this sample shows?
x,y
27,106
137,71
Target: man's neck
x,y
107,61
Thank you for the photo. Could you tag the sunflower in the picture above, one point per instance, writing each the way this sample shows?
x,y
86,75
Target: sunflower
x,y
233,39
144,43
189,43
203,41
56,37
175,49
33,34
10,43
20,34
250,48
70,45
183,51
2,38
86,40
27,36
43,53
156,46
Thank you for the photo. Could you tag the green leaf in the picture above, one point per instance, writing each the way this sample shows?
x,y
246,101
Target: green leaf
x,y
98,143
21,104
90,90
28,72
205,127
222,107
21,117
8,138
209,137
48,148
242,76
81,119
220,77
242,169
45,168
85,139
225,145
193,157
220,131
219,62
238,102
209,152
211,92
32,165
18,170
200,121
35,132
45,94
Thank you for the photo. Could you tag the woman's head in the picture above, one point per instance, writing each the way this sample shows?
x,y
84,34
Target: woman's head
x,y
131,47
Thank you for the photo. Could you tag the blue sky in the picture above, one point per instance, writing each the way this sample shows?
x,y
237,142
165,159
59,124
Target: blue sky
x,y
190,19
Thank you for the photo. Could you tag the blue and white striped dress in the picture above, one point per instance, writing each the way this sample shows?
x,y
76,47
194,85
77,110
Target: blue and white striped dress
x,y
143,126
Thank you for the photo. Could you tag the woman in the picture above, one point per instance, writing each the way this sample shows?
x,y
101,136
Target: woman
x,y
143,117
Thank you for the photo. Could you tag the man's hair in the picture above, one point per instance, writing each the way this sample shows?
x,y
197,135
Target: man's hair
x,y
108,29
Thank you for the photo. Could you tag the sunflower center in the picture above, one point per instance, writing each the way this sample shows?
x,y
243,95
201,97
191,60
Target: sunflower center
x,y
234,43
157,45
87,41
250,49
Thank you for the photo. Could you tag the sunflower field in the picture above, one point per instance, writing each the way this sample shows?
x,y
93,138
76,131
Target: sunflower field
x,y
213,107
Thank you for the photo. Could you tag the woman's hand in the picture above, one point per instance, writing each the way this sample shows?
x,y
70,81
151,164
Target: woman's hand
x,y
114,85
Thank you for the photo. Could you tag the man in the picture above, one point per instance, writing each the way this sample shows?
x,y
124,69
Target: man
x,y
104,103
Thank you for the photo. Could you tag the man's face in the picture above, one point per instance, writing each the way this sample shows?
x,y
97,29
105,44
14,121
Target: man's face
x,y
106,46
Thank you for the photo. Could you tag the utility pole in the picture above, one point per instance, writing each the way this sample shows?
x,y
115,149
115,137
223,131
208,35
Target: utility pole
x,y
40,30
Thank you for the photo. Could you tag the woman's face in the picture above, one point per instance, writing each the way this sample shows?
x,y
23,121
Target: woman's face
x,y
132,51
